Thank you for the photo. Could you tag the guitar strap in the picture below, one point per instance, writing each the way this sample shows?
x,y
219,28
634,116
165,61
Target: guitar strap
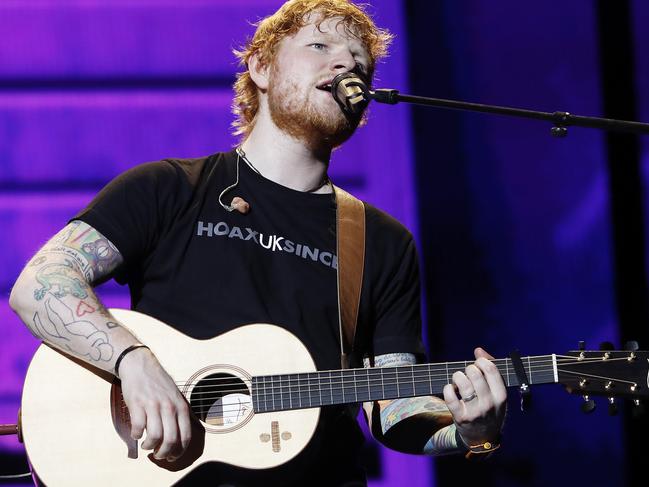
x,y
350,249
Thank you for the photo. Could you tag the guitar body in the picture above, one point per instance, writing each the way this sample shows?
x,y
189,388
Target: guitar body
x,y
68,408
76,427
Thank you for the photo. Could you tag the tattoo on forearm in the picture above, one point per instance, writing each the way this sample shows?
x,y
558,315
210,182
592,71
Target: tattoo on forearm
x,y
104,312
391,360
84,308
443,442
66,311
394,359
60,279
399,409
59,323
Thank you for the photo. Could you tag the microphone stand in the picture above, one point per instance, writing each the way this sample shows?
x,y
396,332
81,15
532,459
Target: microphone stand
x,y
560,120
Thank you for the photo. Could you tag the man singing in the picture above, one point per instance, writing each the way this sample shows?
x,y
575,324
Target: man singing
x,y
248,236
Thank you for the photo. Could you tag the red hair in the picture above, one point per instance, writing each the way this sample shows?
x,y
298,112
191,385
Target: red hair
x,y
290,18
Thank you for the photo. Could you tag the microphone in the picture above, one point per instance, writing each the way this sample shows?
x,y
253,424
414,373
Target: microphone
x,y
351,93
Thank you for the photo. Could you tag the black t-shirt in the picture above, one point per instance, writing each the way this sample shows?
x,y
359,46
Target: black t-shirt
x,y
204,271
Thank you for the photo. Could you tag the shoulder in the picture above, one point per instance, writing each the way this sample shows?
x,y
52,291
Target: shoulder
x,y
191,169
168,172
383,230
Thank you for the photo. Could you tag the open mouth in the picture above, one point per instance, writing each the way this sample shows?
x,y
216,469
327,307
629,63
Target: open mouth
x,y
324,87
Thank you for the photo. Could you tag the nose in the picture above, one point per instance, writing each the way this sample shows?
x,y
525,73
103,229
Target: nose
x,y
343,61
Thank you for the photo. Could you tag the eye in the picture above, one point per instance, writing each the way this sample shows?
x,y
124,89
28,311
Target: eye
x,y
318,46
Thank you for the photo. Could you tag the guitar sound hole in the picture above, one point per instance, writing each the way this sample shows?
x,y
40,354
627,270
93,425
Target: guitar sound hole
x,y
221,399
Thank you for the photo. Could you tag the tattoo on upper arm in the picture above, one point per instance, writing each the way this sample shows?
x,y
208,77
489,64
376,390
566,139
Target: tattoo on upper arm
x,y
101,252
89,251
65,234
38,261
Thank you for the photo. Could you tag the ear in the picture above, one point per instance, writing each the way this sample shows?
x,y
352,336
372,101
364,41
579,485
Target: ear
x,y
258,72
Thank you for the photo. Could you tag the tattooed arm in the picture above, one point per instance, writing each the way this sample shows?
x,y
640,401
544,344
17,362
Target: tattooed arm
x,y
54,298
429,424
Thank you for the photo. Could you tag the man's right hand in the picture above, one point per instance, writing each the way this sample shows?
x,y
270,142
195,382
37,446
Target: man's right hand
x,y
156,405
54,298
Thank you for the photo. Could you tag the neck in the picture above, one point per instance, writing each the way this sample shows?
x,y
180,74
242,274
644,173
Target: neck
x,y
286,160
315,389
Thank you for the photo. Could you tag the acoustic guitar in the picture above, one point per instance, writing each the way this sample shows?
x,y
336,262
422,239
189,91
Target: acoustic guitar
x,y
256,396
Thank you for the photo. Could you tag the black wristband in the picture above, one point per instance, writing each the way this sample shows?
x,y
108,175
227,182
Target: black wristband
x,y
135,346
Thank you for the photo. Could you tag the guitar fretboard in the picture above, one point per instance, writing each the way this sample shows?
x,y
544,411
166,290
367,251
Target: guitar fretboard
x,y
314,389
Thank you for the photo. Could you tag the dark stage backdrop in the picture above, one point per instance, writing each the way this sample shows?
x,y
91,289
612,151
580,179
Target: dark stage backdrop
x,y
520,241
640,39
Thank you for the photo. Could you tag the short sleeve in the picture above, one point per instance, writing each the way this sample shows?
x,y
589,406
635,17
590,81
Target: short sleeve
x,y
393,300
133,210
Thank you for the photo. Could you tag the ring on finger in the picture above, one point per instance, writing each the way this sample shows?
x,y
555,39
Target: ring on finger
x,y
470,397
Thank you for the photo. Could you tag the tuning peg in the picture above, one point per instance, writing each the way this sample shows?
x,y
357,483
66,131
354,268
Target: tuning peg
x,y
582,345
588,406
606,346
638,409
631,346
612,407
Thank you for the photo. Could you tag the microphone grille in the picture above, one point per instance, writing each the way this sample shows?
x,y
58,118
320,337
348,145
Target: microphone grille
x,y
349,91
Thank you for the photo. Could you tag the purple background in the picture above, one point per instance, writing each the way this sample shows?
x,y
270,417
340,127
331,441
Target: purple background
x,y
514,225
93,87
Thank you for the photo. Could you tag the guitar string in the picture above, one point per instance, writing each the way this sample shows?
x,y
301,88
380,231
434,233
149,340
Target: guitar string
x,y
274,392
199,408
235,409
542,363
308,388
359,382
311,388
338,396
465,363
598,377
304,395
418,370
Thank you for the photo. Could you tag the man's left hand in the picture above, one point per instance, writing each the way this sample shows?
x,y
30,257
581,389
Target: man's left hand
x,y
479,411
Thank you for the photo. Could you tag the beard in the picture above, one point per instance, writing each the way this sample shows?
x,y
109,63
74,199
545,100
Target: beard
x,y
310,121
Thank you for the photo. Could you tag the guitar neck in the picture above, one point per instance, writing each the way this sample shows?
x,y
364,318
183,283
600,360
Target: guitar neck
x,y
314,389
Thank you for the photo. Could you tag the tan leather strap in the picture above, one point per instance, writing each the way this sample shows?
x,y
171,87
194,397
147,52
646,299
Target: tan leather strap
x,y
350,248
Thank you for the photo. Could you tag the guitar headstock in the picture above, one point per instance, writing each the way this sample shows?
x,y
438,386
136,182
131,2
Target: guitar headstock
x,y
610,373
